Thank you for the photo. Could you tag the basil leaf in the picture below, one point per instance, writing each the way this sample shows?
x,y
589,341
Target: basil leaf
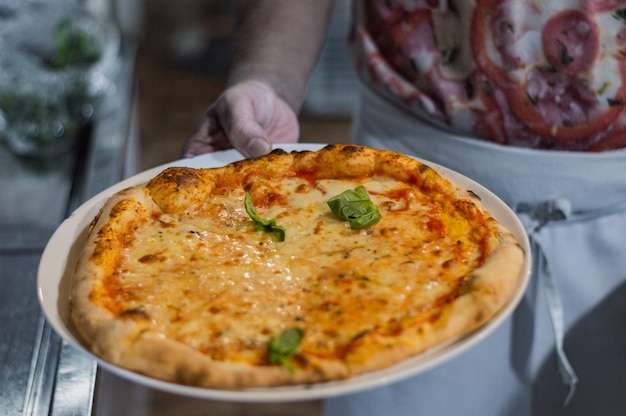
x,y
356,207
269,226
282,347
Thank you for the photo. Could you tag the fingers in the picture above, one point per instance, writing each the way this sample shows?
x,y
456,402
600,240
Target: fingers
x,y
208,137
243,112
254,118
248,116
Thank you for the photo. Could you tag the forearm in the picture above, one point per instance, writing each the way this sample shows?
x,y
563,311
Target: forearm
x,y
278,42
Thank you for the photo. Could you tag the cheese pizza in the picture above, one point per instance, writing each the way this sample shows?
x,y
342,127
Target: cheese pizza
x,y
292,268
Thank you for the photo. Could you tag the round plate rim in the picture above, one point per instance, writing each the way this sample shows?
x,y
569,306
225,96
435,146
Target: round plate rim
x,y
54,264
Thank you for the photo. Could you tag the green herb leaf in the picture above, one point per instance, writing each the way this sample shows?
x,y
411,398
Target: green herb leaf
x,y
603,88
73,47
261,224
282,347
356,207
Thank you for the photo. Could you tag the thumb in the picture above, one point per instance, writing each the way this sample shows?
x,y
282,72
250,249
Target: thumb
x,y
257,146
249,116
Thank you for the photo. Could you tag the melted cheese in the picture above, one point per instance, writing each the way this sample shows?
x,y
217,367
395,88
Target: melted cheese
x,y
212,281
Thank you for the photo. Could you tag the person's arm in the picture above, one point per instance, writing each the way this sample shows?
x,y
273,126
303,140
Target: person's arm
x,y
278,43
276,48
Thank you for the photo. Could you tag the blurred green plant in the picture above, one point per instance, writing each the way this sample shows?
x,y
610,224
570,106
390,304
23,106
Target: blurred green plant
x,y
73,47
42,116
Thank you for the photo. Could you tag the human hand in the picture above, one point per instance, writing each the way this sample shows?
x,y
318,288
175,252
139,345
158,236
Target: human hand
x,y
248,116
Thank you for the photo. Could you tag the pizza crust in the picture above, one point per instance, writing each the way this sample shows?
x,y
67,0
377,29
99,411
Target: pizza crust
x,y
128,338
488,290
107,335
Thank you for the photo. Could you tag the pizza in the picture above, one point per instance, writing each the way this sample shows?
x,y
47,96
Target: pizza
x,y
541,74
293,268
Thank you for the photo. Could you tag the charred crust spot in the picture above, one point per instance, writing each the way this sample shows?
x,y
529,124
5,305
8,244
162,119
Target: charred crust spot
x,y
480,316
216,309
351,149
135,313
239,164
278,152
328,305
360,335
474,194
182,177
189,376
423,168
301,360
467,285
447,264
186,178
299,154
149,258
303,188
95,220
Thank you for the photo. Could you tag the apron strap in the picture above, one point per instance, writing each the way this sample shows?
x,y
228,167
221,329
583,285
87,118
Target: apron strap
x,y
534,218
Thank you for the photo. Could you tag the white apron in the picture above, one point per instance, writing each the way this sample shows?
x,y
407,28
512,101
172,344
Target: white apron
x,y
564,349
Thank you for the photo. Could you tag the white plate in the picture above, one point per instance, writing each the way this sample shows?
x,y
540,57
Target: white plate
x,y
61,252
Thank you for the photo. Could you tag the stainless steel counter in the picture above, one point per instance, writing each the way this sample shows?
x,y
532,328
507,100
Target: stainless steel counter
x,y
39,373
